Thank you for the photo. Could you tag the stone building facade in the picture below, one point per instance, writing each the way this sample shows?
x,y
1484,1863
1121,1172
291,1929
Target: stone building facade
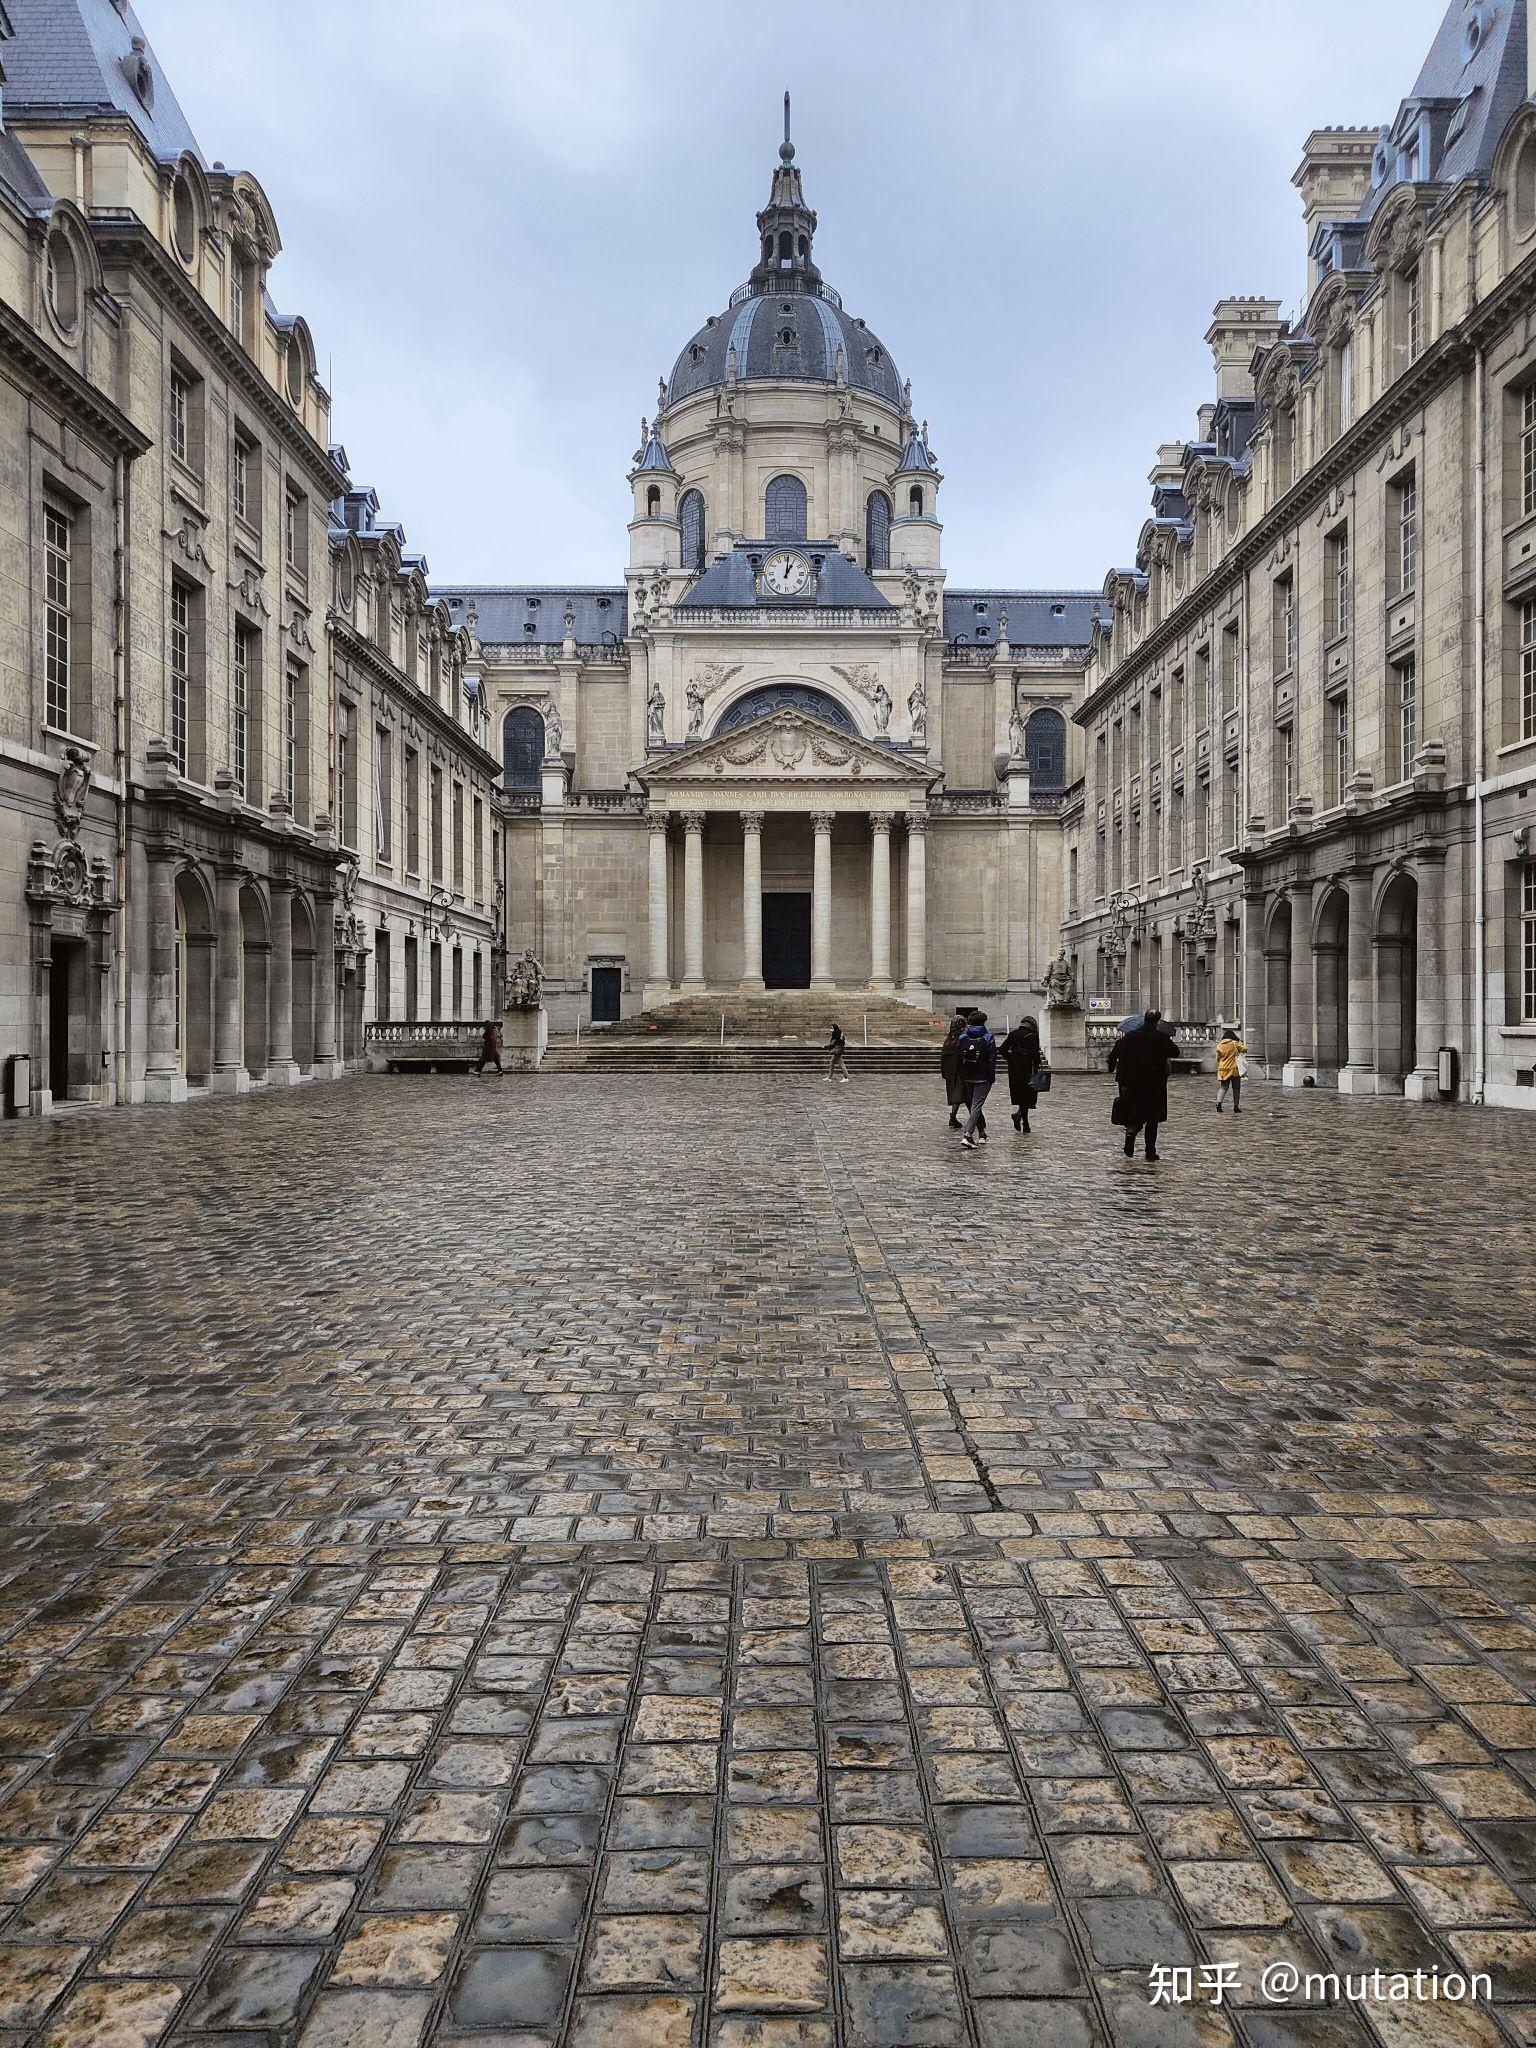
x,y
781,752
1310,713
179,902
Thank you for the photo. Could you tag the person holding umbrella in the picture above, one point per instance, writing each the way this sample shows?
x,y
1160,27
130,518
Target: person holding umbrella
x,y
1139,1059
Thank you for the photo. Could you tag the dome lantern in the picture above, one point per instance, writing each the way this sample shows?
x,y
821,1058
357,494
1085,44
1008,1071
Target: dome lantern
x,y
785,228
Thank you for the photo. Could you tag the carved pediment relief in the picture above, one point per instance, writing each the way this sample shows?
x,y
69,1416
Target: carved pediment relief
x,y
786,745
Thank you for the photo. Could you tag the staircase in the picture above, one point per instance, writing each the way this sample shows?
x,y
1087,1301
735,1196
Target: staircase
x,y
782,1032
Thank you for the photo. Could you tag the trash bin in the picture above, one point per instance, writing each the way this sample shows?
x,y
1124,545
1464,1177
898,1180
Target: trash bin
x,y
18,1084
1450,1072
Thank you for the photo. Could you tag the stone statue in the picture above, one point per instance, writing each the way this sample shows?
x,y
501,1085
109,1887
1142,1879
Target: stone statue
x,y
1061,984
554,731
695,709
1016,734
881,699
917,711
655,715
69,792
525,983
1200,882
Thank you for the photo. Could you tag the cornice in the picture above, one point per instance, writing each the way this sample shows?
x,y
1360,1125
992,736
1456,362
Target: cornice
x,y
132,240
87,406
361,650
1442,361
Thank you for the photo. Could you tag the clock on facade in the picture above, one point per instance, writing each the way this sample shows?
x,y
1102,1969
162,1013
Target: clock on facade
x,y
785,573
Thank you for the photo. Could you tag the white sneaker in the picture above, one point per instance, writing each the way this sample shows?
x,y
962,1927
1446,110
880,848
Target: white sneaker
x,y
967,1145
844,1079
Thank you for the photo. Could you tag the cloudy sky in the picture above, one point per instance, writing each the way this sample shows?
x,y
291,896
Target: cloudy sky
x,y
503,219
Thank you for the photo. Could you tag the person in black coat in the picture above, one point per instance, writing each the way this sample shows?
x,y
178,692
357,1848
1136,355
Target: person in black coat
x,y
1139,1060
1021,1051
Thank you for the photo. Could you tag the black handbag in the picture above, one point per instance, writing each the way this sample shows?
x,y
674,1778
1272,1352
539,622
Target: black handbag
x,y
1041,1079
1117,1112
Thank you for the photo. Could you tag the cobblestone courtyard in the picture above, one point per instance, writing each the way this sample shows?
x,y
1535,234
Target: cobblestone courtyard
x,y
669,1563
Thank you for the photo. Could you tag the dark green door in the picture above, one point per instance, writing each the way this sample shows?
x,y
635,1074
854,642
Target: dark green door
x,y
787,939
607,986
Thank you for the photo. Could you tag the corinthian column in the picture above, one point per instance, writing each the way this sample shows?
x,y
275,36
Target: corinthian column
x,y
917,905
821,901
659,971
693,901
879,901
751,901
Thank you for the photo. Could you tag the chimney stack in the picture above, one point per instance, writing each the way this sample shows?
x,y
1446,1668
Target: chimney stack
x,y
1238,327
1333,178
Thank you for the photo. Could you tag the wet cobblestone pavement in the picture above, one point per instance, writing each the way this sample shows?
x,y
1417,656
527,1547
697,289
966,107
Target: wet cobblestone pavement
x,y
704,1564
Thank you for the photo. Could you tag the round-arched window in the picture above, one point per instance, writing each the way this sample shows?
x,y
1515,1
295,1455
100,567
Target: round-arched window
x,y
877,531
63,280
294,368
1045,750
522,748
690,513
785,697
184,218
784,509
1524,183
915,501
653,502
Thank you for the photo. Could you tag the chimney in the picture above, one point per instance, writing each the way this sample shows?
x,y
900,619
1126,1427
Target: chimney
x,y
1238,327
1333,178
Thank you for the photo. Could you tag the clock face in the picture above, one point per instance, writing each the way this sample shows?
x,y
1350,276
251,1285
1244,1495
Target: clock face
x,y
786,574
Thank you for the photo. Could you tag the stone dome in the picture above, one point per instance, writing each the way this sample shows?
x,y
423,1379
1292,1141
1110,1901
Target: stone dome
x,y
785,333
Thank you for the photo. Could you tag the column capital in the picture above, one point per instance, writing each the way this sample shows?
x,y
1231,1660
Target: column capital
x,y
751,821
822,821
917,821
657,821
693,822
879,821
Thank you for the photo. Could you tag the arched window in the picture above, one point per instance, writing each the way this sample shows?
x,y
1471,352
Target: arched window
x,y
877,531
653,502
915,501
1045,750
522,748
784,507
690,515
785,697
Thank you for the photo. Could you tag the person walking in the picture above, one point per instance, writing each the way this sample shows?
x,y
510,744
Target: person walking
x,y
1139,1060
977,1060
949,1066
1021,1055
490,1049
837,1048
1229,1070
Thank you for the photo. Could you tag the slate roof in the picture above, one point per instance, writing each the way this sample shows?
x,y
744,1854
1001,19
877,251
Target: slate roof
x,y
1476,70
732,579
755,327
506,611
18,174
1036,618
73,56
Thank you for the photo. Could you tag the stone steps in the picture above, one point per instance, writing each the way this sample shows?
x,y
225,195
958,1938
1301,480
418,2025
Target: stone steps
x,y
648,1056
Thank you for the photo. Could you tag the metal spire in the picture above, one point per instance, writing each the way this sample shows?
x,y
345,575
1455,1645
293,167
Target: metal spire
x,y
787,148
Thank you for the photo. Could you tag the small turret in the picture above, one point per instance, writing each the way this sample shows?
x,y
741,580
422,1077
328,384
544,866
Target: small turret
x,y
915,484
655,539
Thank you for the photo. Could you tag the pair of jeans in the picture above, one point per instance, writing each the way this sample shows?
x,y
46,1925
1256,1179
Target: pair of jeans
x,y
1236,1085
980,1090
836,1063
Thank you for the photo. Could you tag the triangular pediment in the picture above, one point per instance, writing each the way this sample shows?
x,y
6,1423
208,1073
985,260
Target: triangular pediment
x,y
786,746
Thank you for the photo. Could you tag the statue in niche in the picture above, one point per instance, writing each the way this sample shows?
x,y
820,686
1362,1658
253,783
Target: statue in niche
x,y
695,709
655,716
554,731
881,699
917,712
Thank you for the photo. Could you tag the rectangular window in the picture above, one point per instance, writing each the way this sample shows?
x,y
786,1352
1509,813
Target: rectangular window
x,y
412,794
1283,602
1100,865
1528,451
1528,942
479,988
237,295
1072,880
1289,758
295,531
181,417
1229,794
458,982
435,820
412,979
1229,658
381,973
1336,589
1203,705
180,653
240,708
1528,669
1338,748
1405,692
345,820
58,620
245,482
290,729
458,838
1175,831
1203,818
383,784
1413,314
1405,496
478,822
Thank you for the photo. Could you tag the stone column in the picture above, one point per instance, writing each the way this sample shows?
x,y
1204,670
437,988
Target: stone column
x,y
693,901
917,906
751,901
659,972
1302,1062
1423,1084
326,1063
821,901
1255,980
229,1076
163,1082
1358,1075
281,1065
879,901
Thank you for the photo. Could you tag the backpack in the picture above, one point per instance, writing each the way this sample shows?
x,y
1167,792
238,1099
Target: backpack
x,y
973,1049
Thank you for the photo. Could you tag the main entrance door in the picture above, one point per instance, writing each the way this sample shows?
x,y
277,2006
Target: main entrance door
x,y
66,1019
607,994
787,938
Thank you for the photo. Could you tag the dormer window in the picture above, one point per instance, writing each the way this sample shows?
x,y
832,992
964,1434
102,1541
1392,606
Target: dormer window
x,y
529,626
787,337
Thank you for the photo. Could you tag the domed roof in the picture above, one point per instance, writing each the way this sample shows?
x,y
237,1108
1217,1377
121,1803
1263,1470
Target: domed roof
x,y
784,322
794,335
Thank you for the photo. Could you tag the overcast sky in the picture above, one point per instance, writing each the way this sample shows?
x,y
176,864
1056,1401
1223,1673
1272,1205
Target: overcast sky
x,y
504,218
